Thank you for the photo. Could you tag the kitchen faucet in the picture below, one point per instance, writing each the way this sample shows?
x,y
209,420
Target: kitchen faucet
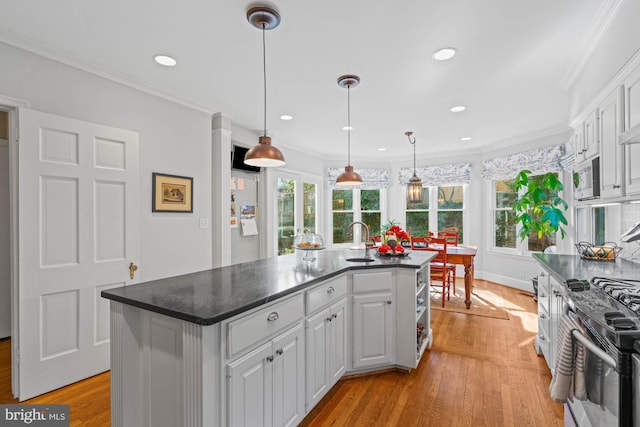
x,y
367,243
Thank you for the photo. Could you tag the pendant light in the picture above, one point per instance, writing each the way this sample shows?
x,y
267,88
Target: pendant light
x,y
264,154
348,177
414,187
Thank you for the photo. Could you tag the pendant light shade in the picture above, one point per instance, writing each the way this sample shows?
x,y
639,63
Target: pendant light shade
x,y
414,187
264,154
348,177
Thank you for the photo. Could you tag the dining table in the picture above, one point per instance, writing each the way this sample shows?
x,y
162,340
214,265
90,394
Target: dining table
x,y
464,255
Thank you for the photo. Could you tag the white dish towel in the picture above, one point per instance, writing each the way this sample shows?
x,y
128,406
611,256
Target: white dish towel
x,y
569,380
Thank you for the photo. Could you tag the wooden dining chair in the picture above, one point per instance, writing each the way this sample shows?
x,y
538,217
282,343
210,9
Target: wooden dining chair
x,y
419,242
451,234
440,269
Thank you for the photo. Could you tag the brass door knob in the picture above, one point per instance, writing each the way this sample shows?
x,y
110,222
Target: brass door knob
x,y
132,270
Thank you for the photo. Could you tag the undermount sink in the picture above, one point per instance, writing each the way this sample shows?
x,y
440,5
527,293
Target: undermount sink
x,y
360,259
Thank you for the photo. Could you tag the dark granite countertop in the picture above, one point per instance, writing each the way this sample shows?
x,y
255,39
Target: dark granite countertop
x,y
210,296
564,267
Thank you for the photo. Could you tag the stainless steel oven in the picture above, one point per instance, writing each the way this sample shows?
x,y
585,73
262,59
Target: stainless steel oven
x,y
610,335
601,405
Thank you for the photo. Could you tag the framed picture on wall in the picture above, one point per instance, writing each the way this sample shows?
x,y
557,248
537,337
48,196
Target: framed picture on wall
x,y
172,193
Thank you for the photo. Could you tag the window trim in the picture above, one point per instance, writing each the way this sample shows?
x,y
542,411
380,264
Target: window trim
x,y
433,207
357,215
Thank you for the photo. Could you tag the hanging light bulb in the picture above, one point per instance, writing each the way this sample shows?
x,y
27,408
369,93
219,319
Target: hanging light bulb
x,y
414,187
349,177
264,154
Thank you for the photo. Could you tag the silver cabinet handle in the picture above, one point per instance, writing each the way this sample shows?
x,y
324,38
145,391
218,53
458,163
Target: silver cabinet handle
x,y
330,290
388,301
543,274
333,316
542,338
616,186
269,358
279,352
328,319
273,316
543,317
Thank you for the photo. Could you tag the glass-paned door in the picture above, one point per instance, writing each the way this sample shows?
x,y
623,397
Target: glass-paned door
x,y
297,209
286,215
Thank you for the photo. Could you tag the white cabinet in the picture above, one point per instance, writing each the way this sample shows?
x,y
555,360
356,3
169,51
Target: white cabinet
x,y
631,135
586,138
550,293
373,320
611,153
266,386
326,341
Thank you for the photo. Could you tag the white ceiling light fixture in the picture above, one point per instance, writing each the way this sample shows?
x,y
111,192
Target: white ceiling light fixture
x,y
382,149
165,60
286,117
264,154
466,138
444,54
349,177
348,128
414,187
457,108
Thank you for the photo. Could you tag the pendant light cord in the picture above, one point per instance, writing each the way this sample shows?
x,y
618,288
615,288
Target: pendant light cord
x,y
264,74
349,125
414,154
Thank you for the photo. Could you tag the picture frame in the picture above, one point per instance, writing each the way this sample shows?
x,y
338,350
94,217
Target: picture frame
x,y
172,193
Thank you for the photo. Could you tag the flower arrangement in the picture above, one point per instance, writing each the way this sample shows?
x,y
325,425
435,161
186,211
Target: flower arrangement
x,y
392,235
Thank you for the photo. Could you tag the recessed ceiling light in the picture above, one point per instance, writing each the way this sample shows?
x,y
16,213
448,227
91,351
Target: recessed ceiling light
x,y
457,108
347,128
165,60
286,117
382,149
444,54
466,138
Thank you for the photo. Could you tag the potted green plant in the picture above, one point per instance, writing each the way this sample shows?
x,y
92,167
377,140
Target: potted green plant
x,y
539,210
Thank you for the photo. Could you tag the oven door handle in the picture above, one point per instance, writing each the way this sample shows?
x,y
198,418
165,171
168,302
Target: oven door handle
x,y
594,349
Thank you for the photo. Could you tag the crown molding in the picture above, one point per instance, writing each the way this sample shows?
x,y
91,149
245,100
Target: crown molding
x,y
599,26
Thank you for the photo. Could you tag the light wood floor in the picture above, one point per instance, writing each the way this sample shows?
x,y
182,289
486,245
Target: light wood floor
x,y
480,372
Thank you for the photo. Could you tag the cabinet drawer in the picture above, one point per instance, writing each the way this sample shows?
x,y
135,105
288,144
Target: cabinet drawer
x,y
372,282
260,325
326,293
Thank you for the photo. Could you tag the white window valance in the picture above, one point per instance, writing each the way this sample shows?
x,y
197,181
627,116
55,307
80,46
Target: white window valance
x,y
447,174
538,161
372,179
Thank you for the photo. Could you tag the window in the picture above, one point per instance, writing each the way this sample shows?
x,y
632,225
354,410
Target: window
x,y
342,202
505,228
451,208
356,205
417,216
370,210
286,215
442,207
505,233
599,225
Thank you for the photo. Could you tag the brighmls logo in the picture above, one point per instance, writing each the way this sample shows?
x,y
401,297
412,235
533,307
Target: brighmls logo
x,y
36,415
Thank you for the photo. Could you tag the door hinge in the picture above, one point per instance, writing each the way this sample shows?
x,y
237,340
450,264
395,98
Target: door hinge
x,y
17,134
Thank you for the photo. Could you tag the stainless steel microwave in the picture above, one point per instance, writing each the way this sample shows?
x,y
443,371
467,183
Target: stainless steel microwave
x,y
586,181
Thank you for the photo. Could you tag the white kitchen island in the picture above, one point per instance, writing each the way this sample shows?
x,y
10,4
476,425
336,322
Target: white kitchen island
x,y
261,343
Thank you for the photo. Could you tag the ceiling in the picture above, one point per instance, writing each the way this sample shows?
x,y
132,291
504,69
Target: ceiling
x,y
515,61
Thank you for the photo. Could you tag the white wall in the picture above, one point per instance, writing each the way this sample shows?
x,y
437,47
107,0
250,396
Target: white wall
x,y
173,139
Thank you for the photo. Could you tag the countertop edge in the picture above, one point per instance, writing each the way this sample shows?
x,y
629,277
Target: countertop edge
x,y
206,321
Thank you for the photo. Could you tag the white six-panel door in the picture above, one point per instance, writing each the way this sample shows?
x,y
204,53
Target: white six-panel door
x,y
78,232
